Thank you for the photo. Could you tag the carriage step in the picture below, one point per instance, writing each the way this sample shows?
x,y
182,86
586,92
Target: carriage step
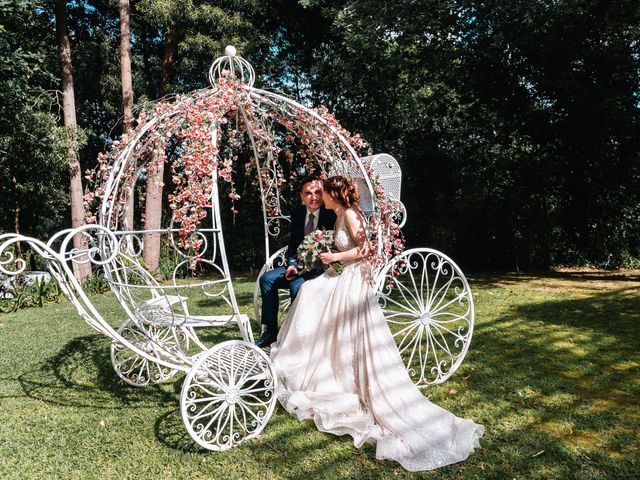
x,y
194,321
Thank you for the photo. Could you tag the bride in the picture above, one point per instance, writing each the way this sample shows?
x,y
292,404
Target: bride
x,y
338,364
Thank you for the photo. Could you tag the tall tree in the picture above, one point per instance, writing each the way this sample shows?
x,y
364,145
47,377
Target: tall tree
x,y
521,116
81,268
125,63
196,32
155,174
127,86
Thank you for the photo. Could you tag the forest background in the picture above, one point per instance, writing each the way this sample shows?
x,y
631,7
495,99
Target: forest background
x,y
516,123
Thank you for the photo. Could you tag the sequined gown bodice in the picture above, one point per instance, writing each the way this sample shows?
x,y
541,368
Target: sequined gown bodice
x,y
338,364
341,236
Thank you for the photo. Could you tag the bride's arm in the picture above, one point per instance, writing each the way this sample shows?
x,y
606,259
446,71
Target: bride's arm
x,y
355,224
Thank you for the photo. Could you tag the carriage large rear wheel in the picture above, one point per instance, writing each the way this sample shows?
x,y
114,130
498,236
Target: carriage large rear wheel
x,y
429,307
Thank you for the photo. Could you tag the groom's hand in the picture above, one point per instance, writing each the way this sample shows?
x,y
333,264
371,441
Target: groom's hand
x,y
290,272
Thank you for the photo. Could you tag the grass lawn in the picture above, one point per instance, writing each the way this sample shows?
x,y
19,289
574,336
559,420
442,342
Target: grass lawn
x,y
553,373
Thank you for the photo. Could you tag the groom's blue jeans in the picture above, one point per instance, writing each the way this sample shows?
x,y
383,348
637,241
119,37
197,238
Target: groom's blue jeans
x,y
270,283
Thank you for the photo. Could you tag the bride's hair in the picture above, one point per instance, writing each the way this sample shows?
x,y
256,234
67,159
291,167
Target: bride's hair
x,y
342,190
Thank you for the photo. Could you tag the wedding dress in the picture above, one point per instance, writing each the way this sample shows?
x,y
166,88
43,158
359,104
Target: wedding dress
x,y
338,364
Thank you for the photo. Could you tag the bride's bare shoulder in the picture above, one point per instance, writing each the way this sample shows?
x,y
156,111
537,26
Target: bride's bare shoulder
x,y
353,217
350,214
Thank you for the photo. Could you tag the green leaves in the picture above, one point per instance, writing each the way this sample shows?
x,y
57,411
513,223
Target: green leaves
x,y
33,148
515,123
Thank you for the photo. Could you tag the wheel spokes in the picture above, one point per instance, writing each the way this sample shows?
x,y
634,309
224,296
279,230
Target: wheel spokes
x,y
244,399
429,308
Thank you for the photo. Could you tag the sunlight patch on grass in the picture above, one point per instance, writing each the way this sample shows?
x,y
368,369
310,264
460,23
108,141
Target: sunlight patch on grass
x,y
553,367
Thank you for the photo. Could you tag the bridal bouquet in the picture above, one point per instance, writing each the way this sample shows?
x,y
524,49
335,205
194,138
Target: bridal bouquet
x,y
312,246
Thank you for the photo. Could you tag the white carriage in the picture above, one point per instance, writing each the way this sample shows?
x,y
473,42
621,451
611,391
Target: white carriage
x,y
228,393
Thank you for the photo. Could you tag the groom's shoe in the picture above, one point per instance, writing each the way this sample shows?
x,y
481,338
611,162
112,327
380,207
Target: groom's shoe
x,y
266,340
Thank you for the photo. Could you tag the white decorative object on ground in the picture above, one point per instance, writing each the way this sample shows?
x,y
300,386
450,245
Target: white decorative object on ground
x,y
228,393
8,284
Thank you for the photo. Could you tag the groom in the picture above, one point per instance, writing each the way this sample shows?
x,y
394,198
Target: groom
x,y
304,219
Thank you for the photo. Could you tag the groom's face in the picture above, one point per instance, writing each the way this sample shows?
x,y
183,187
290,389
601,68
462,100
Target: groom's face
x,y
311,195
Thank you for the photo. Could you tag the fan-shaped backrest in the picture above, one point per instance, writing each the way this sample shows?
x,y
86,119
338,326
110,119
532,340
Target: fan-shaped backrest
x,y
385,167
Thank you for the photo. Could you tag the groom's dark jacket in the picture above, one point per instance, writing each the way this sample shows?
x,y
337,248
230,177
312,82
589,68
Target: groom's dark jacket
x,y
326,220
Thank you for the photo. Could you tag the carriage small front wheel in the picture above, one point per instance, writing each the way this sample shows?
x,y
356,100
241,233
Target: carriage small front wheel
x,y
229,395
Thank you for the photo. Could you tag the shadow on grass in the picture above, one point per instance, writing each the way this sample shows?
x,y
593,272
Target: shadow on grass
x,y
507,279
285,449
556,384
294,449
81,375
563,377
170,431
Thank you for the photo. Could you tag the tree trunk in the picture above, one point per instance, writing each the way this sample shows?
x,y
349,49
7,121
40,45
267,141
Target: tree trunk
x,y
153,215
81,268
127,88
169,61
16,212
150,84
153,204
125,64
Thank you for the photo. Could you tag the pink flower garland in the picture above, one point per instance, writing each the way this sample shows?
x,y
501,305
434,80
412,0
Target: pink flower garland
x,y
188,122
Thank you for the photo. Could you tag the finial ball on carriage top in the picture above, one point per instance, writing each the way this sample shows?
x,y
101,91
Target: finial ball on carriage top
x,y
231,63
